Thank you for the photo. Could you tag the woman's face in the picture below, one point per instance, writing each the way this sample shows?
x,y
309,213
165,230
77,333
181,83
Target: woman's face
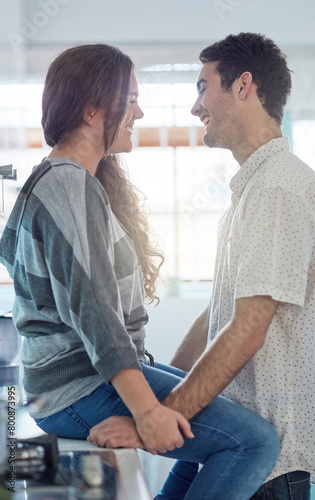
x,y
123,143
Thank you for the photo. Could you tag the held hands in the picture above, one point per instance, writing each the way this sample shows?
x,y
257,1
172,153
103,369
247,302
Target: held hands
x,y
157,430
159,427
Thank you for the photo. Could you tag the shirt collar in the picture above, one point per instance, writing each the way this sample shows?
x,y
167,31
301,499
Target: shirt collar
x,y
252,163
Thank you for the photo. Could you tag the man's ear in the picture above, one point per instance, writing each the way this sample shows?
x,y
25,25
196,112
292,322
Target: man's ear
x,y
244,84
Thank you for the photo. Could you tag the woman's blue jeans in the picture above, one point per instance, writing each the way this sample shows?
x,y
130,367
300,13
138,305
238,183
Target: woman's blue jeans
x,y
238,448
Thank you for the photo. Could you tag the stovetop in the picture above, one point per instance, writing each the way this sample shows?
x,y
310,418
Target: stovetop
x,y
40,472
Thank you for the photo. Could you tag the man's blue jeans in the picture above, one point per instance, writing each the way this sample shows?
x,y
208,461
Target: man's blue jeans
x,y
238,448
291,486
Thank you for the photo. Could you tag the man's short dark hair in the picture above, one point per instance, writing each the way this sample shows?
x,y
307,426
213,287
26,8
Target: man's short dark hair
x,y
262,58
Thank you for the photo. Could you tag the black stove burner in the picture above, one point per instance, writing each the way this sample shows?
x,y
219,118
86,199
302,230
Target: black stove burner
x,y
45,474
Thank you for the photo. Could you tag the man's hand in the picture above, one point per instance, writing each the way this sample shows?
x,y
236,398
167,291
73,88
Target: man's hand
x,y
116,432
161,429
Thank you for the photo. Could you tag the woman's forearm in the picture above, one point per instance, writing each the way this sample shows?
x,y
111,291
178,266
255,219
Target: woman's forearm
x,y
134,391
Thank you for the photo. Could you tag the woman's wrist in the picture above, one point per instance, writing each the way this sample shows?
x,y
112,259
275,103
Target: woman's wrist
x,y
146,412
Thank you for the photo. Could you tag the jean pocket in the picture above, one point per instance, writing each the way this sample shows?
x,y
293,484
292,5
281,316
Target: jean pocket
x,y
300,487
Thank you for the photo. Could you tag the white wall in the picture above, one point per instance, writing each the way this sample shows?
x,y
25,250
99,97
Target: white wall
x,y
169,322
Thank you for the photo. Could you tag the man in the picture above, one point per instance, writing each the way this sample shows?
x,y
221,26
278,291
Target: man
x,y
261,318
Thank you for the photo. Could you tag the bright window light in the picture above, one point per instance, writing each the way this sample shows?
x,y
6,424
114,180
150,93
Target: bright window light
x,y
187,188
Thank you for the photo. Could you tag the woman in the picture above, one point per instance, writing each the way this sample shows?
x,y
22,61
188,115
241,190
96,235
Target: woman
x,y
80,259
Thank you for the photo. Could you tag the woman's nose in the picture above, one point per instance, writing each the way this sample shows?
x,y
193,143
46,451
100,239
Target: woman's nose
x,y
138,113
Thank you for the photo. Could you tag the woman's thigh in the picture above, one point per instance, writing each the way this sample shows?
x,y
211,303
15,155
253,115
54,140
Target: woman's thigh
x,y
220,425
223,425
170,369
76,420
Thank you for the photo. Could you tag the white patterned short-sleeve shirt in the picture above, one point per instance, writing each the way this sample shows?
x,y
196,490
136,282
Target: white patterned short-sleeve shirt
x,y
267,247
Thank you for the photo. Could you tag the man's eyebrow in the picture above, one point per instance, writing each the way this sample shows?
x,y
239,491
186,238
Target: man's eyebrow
x,y
202,80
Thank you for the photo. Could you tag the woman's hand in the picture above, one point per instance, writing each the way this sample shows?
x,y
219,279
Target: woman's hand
x,y
159,429
116,432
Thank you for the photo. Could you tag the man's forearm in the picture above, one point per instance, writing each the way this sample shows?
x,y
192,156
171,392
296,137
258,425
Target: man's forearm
x,y
193,344
237,343
217,367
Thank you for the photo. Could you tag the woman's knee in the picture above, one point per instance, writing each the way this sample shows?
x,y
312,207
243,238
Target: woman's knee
x,y
247,428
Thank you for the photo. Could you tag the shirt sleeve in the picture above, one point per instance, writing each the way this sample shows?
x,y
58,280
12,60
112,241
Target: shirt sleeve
x,y
79,252
276,241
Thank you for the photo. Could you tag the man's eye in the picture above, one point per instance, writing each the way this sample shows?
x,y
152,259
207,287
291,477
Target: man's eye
x,y
202,91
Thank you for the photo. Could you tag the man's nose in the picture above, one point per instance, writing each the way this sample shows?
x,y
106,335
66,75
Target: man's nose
x,y
195,110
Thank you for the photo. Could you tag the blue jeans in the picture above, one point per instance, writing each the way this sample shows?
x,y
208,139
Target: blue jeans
x,y
291,486
238,448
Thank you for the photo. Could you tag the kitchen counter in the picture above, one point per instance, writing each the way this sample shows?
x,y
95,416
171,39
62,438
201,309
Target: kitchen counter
x,y
120,469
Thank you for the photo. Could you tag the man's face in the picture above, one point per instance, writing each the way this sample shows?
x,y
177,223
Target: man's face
x,y
216,109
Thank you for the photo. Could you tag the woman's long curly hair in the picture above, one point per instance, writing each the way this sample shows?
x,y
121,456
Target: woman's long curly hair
x,y
125,204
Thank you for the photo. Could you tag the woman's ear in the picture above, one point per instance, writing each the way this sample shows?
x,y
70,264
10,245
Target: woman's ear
x,y
244,84
89,114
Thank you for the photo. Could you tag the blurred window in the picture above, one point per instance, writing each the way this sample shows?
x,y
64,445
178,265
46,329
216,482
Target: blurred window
x,y
185,183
